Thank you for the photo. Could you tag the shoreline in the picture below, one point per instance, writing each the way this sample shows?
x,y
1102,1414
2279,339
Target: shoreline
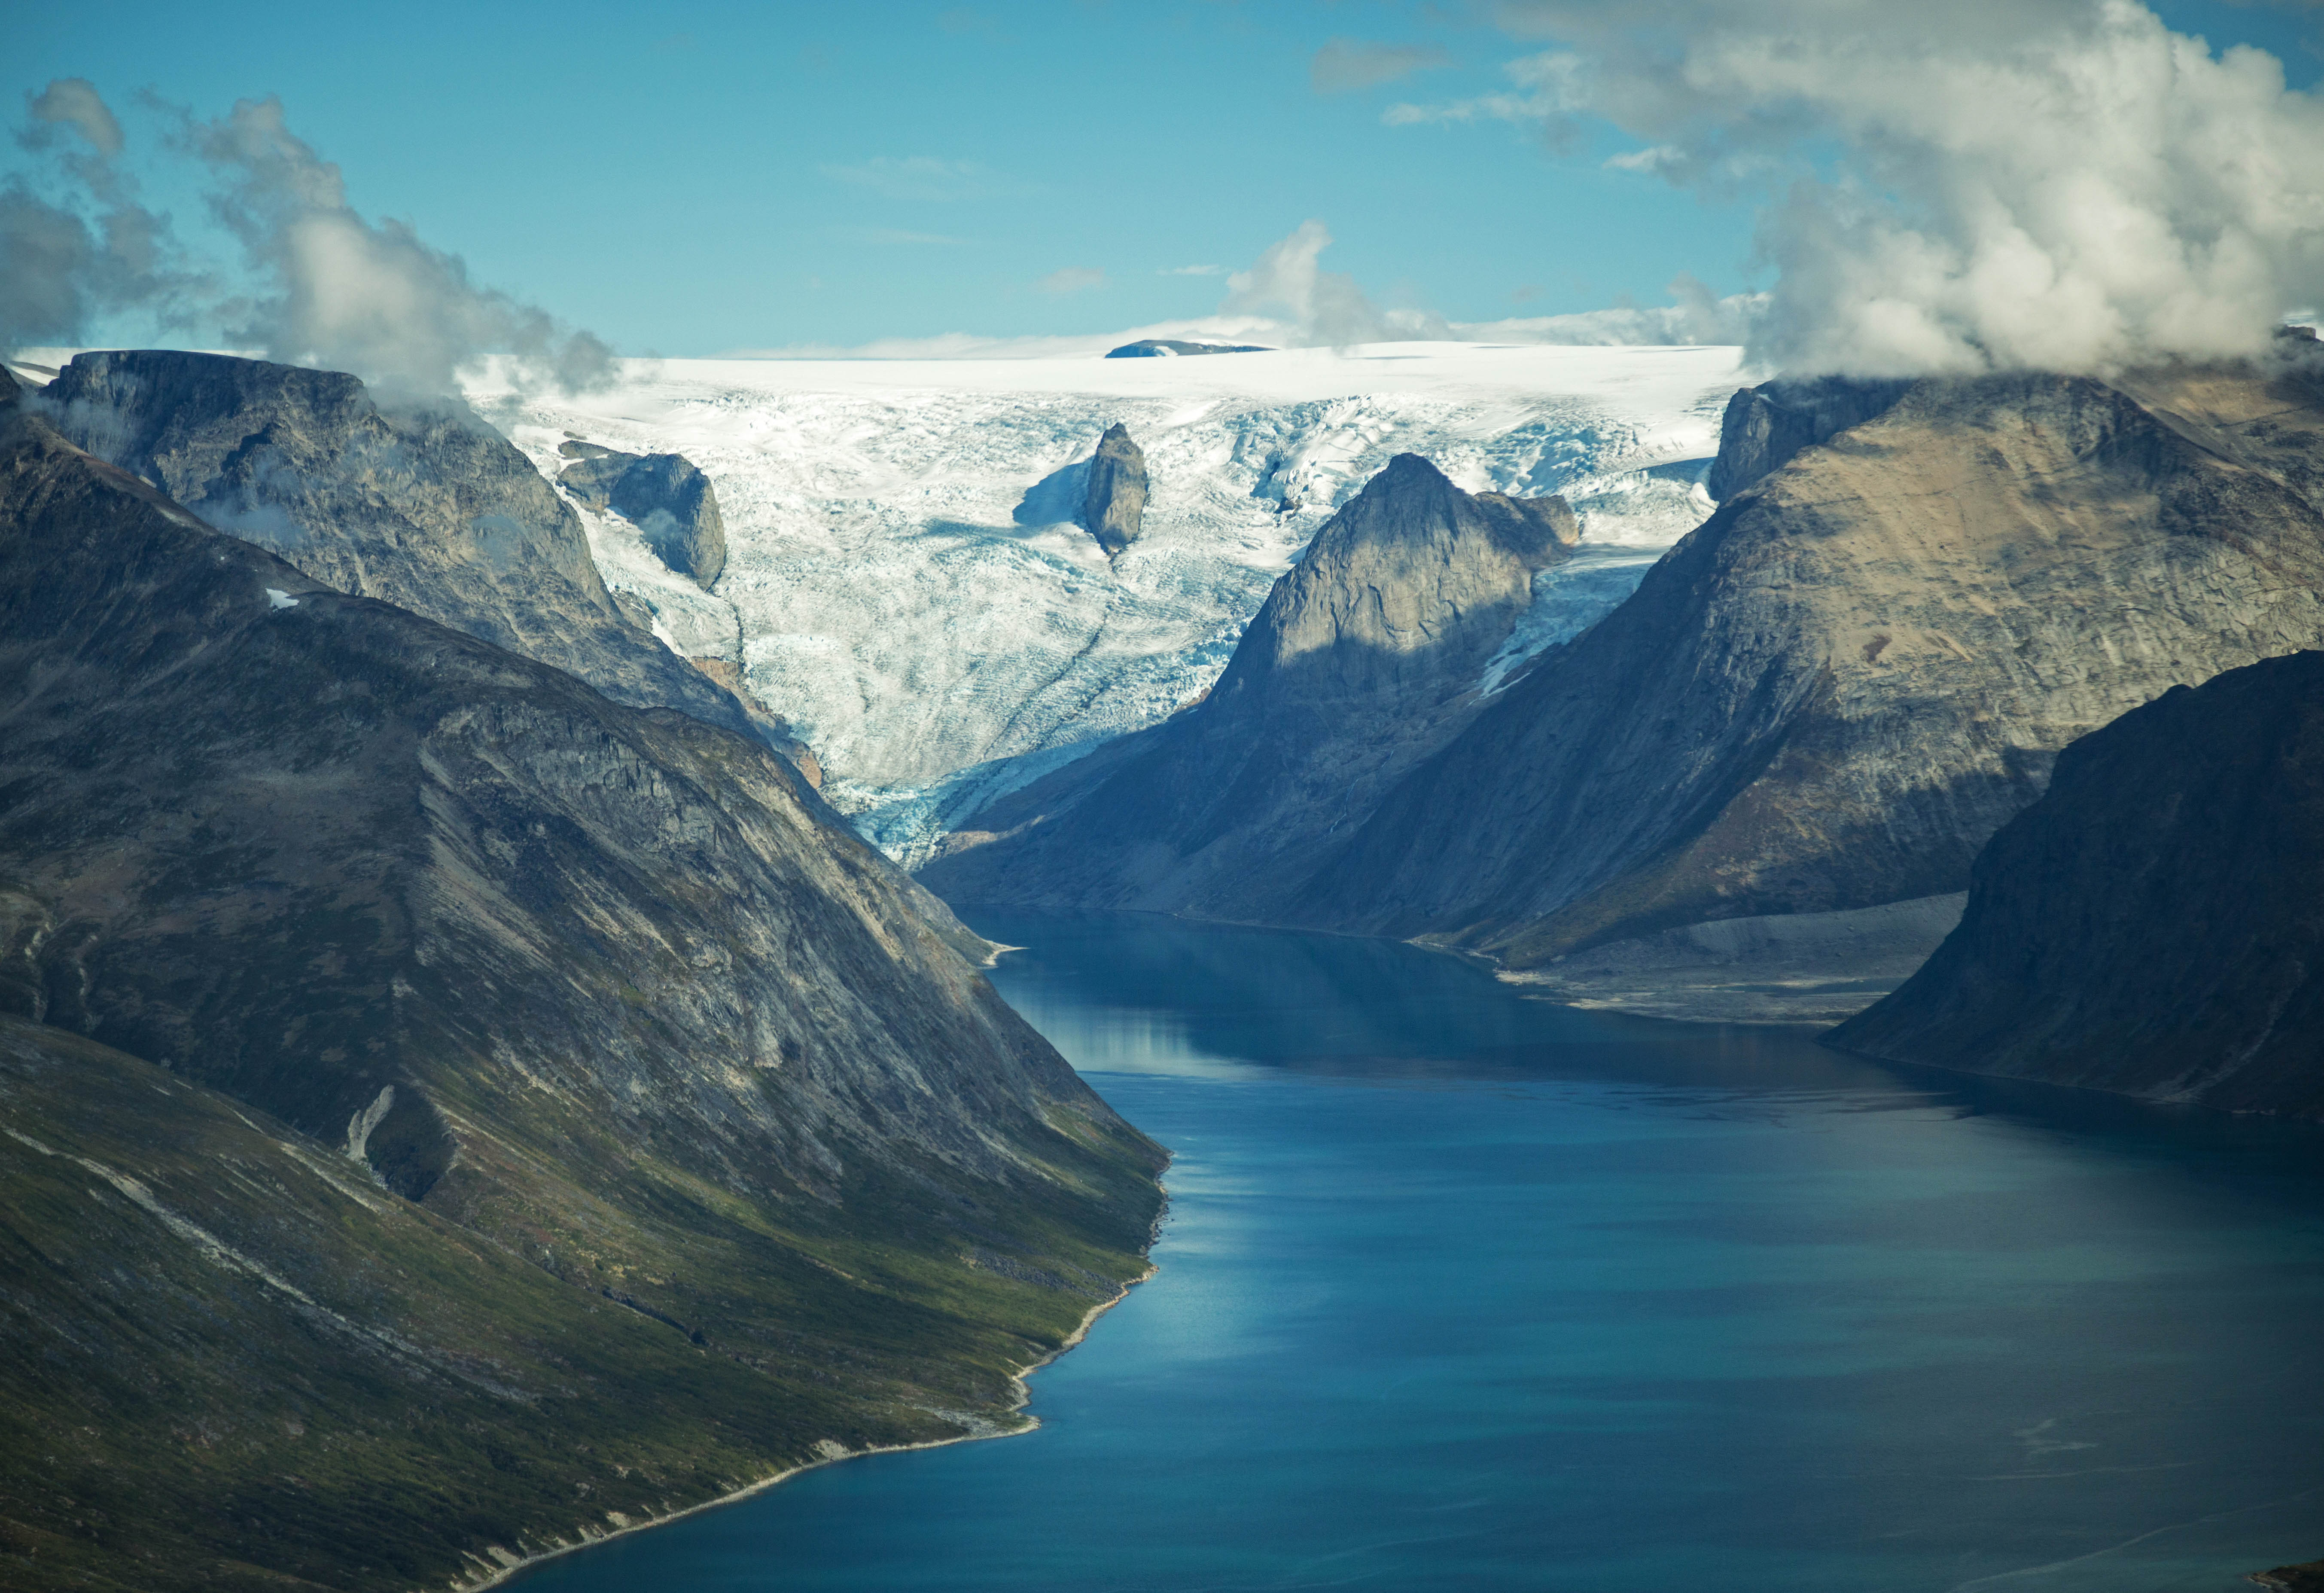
x,y
496,1575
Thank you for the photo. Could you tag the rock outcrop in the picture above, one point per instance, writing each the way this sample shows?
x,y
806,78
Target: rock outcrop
x,y
2155,923
670,503
1364,660
701,1139
429,508
1165,348
1830,695
1765,426
1114,509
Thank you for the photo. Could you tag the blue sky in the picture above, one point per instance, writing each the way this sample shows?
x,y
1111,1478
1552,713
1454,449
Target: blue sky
x,y
693,178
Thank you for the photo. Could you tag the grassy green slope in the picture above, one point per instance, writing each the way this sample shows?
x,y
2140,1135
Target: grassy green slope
x,y
233,1361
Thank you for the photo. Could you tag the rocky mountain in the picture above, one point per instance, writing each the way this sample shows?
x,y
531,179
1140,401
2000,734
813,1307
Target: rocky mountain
x,y
423,506
1164,348
450,1112
1829,695
663,495
2154,924
1115,507
1364,659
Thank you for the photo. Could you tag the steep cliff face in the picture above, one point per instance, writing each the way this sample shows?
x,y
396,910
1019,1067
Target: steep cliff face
x,y
595,989
430,510
1765,426
1363,659
2155,922
1829,695
1115,509
663,495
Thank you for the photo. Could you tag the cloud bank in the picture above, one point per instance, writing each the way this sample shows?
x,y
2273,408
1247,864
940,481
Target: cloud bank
x,y
2058,184
324,285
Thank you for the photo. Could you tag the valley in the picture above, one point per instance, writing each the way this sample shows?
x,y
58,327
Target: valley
x,y
1516,799
629,988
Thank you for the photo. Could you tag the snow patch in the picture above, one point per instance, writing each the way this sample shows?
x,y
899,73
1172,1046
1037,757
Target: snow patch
x,y
276,597
360,1126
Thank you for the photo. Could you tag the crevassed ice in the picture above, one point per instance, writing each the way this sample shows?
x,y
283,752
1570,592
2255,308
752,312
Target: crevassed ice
x,y
881,596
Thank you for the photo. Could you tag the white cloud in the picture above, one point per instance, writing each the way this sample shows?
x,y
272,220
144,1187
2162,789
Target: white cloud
x,y
92,250
1694,316
1072,279
1192,270
74,102
355,295
1324,308
1542,82
1650,159
2060,184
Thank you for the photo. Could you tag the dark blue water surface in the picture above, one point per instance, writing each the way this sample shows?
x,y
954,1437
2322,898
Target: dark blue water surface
x,y
1463,1290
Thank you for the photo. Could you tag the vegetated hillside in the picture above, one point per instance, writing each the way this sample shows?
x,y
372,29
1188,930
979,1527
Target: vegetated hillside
x,y
577,995
420,504
2154,924
1829,695
1364,658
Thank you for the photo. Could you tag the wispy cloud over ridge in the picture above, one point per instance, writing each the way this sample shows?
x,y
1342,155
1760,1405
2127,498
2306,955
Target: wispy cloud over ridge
x,y
1321,307
324,284
353,294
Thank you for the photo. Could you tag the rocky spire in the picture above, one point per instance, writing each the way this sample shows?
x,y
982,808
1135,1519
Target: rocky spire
x,y
1116,504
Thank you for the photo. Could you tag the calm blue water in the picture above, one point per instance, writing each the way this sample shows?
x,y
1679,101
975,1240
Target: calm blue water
x,y
1460,1291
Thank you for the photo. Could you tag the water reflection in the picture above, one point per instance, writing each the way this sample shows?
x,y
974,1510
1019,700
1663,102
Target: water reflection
x,y
1140,993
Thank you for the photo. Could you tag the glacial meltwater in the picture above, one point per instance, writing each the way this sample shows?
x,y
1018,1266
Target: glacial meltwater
x,y
1463,1290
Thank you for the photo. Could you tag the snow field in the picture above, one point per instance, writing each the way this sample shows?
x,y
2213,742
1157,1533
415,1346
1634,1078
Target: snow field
x,y
882,594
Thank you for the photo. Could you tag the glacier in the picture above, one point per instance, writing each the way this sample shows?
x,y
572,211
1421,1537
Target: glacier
x,y
897,588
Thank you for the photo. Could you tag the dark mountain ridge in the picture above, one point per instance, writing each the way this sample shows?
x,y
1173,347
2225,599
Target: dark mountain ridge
x,y
2154,924
1832,693
423,506
598,993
